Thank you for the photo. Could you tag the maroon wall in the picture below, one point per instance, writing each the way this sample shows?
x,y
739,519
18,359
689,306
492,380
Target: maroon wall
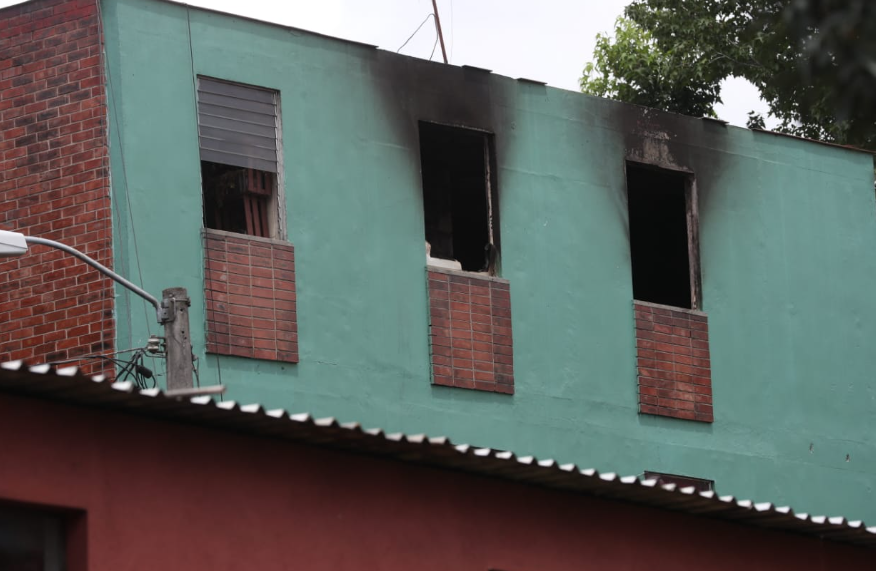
x,y
169,496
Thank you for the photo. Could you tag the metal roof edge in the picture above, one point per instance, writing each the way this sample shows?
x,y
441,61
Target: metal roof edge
x,y
69,386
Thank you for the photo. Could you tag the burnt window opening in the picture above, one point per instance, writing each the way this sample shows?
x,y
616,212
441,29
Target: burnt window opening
x,y
238,130
699,484
662,209
459,200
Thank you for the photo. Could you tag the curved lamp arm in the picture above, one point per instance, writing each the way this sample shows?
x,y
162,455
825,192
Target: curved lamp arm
x,y
97,266
15,244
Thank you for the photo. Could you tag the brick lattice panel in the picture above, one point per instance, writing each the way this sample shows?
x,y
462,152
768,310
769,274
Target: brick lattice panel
x,y
672,349
470,331
54,183
249,287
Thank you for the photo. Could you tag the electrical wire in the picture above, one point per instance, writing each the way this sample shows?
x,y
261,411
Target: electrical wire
x,y
219,371
112,94
131,369
435,45
431,15
195,366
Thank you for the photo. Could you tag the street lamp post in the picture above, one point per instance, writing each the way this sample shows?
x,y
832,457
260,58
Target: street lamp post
x,y
172,311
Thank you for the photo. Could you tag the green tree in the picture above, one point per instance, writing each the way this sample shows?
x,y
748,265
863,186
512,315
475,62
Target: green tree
x,y
814,61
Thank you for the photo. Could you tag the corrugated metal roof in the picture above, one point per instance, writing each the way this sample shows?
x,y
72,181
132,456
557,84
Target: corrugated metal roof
x,y
69,386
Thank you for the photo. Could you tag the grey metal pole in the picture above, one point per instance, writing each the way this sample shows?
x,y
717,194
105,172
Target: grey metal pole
x,y
178,339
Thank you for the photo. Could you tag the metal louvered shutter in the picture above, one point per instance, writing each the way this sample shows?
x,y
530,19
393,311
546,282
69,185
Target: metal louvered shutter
x,y
237,125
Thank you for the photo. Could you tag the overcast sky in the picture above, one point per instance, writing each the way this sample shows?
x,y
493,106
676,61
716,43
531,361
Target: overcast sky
x,y
547,40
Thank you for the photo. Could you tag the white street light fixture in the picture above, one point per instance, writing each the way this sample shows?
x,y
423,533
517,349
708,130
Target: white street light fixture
x,y
172,310
12,244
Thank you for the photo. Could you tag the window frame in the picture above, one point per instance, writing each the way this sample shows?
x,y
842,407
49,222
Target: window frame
x,y
490,180
71,531
691,201
276,211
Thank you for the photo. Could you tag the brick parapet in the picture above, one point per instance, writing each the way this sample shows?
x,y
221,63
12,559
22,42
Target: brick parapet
x,y
673,362
249,287
470,331
54,183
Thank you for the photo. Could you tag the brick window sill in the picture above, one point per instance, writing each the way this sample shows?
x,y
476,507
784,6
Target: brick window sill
x,y
673,362
470,330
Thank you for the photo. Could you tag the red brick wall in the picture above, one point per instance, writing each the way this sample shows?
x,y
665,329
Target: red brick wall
x,y
249,285
672,348
54,182
470,331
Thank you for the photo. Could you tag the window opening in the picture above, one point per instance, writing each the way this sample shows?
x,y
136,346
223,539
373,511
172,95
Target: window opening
x,y
31,539
239,148
699,484
662,236
237,200
459,199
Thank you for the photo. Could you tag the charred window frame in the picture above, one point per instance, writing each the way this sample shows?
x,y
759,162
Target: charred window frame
x,y
664,235
241,163
460,198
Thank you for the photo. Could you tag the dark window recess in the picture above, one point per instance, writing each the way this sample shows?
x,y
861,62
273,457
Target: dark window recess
x,y
699,484
659,241
458,196
237,133
236,199
31,540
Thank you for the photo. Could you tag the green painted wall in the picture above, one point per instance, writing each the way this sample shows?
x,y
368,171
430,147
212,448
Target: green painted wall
x,y
788,235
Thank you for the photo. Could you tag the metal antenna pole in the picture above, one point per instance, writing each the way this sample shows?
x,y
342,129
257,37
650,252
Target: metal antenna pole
x,y
438,26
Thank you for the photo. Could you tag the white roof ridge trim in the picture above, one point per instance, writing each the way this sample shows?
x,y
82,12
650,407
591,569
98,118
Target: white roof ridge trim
x,y
123,386
12,365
